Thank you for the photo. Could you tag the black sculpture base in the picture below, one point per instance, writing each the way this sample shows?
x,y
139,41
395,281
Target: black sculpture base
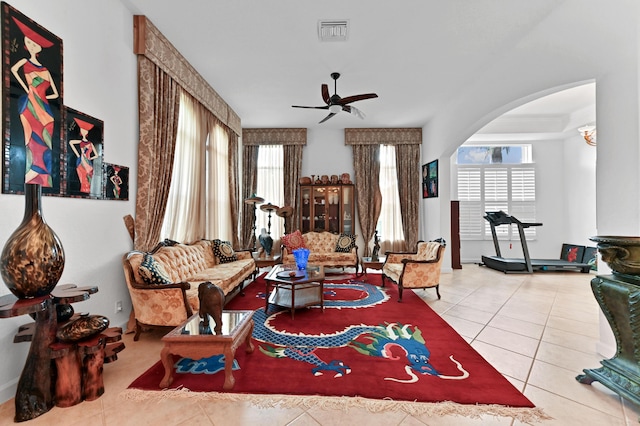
x,y
619,298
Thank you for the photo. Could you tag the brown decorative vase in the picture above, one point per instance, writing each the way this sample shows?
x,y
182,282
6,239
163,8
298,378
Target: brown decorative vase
x,y
32,260
622,254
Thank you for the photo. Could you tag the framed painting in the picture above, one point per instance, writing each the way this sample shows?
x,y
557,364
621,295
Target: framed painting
x,y
84,148
430,179
116,182
590,257
32,124
572,253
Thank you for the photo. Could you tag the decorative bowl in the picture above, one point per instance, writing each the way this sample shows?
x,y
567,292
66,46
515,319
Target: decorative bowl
x,y
622,254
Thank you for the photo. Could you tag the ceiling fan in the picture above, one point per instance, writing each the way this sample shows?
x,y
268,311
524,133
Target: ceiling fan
x,y
335,103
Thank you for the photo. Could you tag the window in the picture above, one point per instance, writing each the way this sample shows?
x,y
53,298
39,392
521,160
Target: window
x,y
390,220
270,186
200,180
493,178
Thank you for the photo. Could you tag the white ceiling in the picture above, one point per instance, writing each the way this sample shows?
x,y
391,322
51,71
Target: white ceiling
x,y
264,56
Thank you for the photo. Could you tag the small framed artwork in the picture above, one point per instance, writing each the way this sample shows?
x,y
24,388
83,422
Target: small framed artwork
x,y
116,182
590,257
84,154
430,179
32,124
572,253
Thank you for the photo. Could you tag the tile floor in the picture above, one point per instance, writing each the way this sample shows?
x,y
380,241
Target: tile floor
x,y
538,330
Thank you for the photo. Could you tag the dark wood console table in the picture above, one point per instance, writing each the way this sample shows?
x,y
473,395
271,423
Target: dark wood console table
x,y
36,392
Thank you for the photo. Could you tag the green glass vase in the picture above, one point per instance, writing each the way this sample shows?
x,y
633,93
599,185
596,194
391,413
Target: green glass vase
x,y
32,259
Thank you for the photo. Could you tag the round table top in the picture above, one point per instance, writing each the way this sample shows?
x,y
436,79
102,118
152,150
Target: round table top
x,y
254,200
285,211
268,207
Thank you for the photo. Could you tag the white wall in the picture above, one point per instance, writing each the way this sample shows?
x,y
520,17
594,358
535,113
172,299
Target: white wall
x,y
100,80
579,191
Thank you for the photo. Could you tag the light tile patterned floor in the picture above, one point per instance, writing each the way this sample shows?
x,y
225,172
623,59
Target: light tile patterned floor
x,y
538,330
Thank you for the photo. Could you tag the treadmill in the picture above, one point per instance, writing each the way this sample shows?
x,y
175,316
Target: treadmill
x,y
526,265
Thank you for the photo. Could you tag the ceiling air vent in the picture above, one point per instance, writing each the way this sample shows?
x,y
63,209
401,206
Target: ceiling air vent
x,y
333,30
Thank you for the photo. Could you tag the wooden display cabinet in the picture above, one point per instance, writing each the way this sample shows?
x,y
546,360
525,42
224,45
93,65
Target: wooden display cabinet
x,y
327,208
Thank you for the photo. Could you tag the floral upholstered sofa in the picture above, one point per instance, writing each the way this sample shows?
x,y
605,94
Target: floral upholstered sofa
x,y
163,283
326,248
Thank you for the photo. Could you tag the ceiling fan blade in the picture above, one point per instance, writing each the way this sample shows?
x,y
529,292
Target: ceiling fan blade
x,y
312,107
354,98
325,93
331,114
353,110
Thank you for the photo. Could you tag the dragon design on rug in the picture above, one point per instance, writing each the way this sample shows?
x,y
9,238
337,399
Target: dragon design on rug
x,y
380,339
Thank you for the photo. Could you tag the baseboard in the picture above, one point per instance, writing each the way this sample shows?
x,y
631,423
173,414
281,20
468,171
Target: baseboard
x,y
8,390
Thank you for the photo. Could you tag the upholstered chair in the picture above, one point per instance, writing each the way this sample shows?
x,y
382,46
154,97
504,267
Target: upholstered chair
x,y
415,270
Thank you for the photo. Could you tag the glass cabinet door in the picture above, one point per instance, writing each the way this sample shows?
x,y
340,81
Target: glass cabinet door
x,y
319,209
333,209
347,210
305,209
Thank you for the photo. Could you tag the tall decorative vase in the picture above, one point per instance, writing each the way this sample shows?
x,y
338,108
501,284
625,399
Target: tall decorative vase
x,y
32,260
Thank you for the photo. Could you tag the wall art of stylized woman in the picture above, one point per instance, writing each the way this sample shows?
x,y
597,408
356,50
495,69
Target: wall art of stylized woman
x,y
116,180
85,152
35,112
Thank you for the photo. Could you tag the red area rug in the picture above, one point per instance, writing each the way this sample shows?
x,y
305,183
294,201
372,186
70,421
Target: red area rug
x,y
365,349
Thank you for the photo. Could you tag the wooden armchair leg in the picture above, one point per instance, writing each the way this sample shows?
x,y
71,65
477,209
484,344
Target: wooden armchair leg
x,y
438,291
400,292
138,331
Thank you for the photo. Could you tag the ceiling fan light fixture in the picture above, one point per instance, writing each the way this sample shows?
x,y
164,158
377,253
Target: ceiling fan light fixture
x,y
334,109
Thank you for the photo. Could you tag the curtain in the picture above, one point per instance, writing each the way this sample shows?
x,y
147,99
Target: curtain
x,y
249,182
408,166
234,187
270,187
366,162
217,195
185,216
158,103
292,168
390,222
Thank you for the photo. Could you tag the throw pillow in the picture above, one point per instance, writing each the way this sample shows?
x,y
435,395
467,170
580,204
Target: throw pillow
x,y
293,241
224,251
345,243
153,272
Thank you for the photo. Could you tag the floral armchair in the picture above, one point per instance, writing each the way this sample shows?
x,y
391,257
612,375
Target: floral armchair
x,y
415,270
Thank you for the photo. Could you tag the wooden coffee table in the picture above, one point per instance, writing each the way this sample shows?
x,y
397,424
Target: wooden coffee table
x,y
191,339
304,289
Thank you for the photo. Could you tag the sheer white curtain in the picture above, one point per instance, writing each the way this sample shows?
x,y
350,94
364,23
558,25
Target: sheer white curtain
x,y
390,220
270,186
184,217
218,200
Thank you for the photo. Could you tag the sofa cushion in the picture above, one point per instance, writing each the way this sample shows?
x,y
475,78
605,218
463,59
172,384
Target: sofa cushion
x,y
293,241
427,250
224,251
152,272
227,275
345,243
324,242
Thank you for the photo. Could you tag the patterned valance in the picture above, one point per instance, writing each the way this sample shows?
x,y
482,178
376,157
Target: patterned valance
x,y
397,136
274,136
149,42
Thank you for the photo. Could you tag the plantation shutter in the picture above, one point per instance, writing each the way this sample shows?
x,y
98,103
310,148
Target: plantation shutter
x,y
470,197
496,196
523,196
511,189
